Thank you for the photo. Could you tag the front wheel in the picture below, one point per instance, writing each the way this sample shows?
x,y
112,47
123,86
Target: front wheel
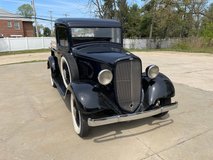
x,y
79,120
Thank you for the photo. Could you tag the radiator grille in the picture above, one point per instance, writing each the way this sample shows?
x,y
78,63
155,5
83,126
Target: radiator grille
x,y
128,84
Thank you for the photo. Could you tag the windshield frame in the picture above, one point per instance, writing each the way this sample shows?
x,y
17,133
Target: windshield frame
x,y
89,42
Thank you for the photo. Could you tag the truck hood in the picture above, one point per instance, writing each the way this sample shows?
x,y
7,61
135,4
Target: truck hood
x,y
103,54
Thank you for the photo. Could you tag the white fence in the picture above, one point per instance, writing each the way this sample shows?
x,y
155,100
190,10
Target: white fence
x,y
29,43
26,43
149,43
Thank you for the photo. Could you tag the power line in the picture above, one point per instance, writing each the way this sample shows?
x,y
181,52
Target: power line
x,y
30,18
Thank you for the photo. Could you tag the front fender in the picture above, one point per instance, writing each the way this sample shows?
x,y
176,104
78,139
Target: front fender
x,y
89,98
158,88
51,63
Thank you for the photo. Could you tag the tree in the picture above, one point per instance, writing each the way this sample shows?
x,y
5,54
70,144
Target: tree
x,y
96,7
111,9
149,11
134,27
47,32
103,8
208,14
169,18
157,18
40,30
207,25
26,10
122,14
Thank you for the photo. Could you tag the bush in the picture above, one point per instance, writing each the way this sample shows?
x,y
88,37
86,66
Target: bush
x,y
194,44
181,45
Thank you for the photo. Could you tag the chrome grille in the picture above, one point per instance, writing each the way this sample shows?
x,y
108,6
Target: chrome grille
x,y
128,84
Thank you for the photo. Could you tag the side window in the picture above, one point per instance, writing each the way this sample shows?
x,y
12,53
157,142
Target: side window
x,y
9,24
17,25
62,36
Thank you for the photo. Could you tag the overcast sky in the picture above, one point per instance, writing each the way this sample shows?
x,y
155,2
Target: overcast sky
x,y
73,8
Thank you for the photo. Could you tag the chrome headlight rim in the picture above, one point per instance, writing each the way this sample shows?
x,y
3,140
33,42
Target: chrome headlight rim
x,y
152,71
101,78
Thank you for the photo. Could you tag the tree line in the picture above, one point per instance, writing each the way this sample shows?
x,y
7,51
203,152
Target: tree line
x,y
155,19
159,18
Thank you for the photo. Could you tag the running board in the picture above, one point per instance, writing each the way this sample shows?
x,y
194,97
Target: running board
x,y
60,86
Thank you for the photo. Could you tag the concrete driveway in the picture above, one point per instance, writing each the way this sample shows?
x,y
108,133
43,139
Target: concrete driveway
x,y
36,124
192,69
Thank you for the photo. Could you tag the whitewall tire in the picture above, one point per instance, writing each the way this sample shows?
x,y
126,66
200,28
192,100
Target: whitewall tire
x,y
65,71
51,80
79,121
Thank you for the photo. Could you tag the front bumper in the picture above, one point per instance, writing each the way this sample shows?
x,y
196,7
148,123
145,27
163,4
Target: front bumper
x,y
130,117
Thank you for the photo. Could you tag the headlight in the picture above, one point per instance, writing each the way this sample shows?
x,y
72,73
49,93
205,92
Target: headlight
x,y
105,77
152,71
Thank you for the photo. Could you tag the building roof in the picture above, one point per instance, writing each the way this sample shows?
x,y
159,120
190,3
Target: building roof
x,y
5,15
87,22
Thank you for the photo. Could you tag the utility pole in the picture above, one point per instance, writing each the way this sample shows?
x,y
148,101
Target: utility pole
x,y
34,11
51,18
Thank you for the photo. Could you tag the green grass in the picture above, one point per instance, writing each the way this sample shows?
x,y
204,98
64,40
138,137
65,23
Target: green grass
x,y
194,50
181,49
24,52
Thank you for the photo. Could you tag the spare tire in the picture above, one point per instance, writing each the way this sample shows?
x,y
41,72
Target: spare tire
x,y
69,69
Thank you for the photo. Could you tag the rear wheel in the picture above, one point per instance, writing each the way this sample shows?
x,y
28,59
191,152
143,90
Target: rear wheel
x,y
52,82
79,120
65,72
163,102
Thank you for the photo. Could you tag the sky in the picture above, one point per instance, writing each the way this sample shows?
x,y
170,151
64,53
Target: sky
x,y
59,8
72,8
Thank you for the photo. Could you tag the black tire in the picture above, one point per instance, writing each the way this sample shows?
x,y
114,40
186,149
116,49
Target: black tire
x,y
80,124
72,74
163,102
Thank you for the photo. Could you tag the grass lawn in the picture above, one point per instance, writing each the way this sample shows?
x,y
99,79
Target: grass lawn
x,y
194,50
24,52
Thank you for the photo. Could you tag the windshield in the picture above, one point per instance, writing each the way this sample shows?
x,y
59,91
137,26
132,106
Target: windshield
x,y
82,35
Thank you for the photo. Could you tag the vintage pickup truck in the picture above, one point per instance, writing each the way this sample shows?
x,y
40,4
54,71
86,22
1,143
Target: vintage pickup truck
x,y
104,82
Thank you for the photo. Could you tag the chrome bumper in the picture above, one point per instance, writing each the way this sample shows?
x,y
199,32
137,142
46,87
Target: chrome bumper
x,y
130,117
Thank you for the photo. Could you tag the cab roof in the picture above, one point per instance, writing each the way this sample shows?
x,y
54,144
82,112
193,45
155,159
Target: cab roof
x,y
87,22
